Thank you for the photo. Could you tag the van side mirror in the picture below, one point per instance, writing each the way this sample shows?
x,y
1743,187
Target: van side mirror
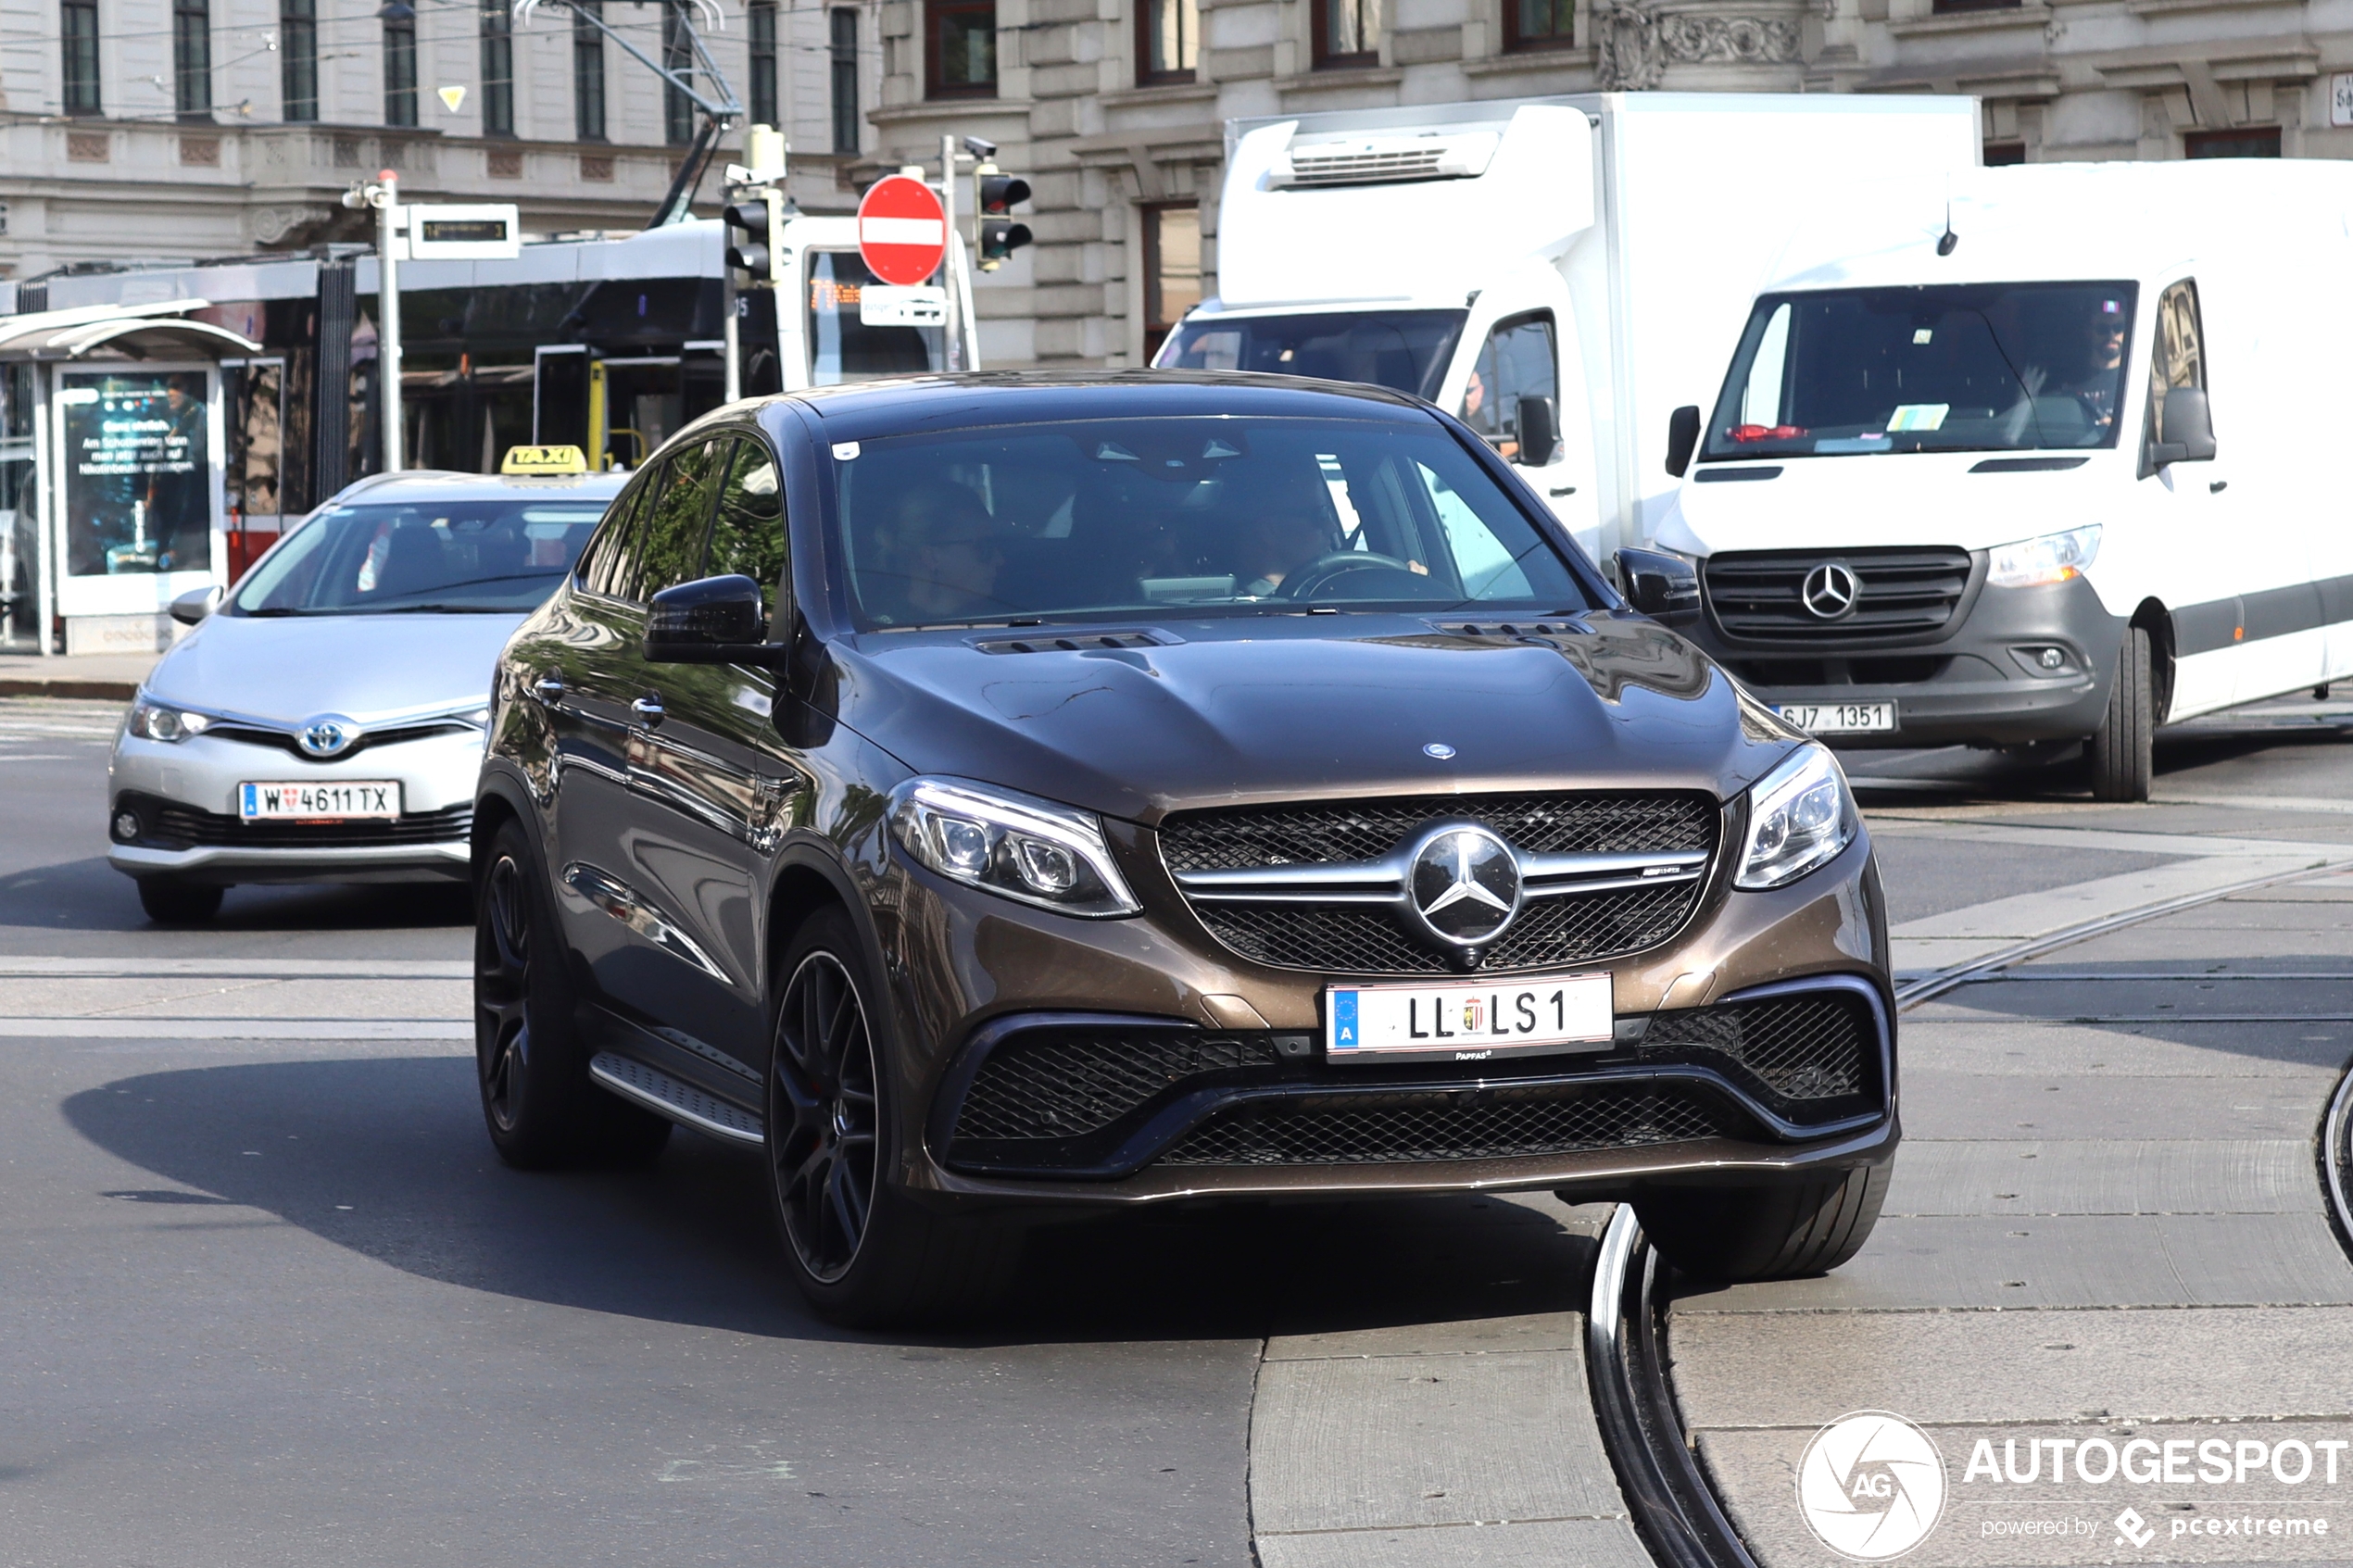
x,y
709,621
1682,438
1540,434
2189,428
1662,586
195,604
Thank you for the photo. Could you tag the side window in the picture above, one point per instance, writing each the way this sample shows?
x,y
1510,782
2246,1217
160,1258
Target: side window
x,y
748,532
611,558
1518,361
2177,352
677,518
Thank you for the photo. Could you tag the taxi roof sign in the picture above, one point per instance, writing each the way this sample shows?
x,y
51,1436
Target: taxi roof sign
x,y
543,459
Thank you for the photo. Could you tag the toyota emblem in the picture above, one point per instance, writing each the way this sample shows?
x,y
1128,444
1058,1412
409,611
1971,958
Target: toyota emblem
x,y
1830,590
329,736
1464,885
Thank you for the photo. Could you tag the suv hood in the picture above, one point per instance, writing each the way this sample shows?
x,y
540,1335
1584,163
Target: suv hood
x,y
371,668
1237,711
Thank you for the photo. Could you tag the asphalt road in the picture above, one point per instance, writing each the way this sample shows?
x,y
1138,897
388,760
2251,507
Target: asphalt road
x,y
266,1296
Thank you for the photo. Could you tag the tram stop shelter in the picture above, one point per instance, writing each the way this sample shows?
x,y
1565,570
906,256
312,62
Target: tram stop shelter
x,y
112,462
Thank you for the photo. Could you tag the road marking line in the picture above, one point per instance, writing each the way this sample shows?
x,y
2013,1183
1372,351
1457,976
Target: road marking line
x,y
21,966
2194,845
234,1029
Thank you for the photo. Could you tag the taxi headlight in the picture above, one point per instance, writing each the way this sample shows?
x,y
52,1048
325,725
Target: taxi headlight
x,y
2053,558
153,721
1015,846
1800,816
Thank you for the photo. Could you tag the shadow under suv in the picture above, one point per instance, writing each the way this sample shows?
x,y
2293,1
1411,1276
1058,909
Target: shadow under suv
x,y
1000,796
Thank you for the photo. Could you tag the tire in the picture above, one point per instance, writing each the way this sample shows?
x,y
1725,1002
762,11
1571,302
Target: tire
x,y
531,1064
2121,753
1780,1231
170,901
862,1252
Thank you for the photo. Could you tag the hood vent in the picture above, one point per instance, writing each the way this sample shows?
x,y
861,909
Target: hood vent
x,y
1383,160
1075,642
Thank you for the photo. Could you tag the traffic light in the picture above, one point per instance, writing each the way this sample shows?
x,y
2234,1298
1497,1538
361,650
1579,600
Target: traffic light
x,y
999,236
752,237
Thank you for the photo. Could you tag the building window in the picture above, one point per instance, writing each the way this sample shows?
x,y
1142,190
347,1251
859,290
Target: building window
x,y
400,70
2249,142
2000,153
192,58
1347,33
78,32
1957,7
1167,40
1172,269
1540,24
960,46
678,55
844,22
497,69
299,57
587,73
761,15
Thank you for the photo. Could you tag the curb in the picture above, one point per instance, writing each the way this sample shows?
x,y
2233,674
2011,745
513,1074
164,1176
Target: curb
x,y
117,691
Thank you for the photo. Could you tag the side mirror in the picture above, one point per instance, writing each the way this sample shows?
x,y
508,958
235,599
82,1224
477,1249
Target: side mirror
x,y
2189,428
1539,434
1662,586
195,604
709,621
1682,438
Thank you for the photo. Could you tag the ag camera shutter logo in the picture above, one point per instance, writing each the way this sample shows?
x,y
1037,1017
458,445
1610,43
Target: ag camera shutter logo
x,y
1871,1485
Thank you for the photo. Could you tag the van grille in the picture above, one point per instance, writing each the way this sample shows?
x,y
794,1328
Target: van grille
x,y
1757,595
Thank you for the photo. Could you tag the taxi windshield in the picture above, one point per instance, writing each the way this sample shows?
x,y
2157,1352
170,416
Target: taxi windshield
x,y
500,555
1185,516
1955,368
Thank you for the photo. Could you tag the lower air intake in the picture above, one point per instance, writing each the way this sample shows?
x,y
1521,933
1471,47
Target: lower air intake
x,y
1498,1124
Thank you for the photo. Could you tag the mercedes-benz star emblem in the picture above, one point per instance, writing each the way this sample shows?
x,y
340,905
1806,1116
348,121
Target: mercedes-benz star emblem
x,y
1464,886
328,736
1830,590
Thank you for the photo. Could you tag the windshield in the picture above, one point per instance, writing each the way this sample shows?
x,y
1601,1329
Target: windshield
x,y
1403,350
502,555
1248,516
856,327
1962,368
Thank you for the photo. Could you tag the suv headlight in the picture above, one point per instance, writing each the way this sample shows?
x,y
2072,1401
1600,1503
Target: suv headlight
x,y
1015,846
2053,557
1800,816
153,721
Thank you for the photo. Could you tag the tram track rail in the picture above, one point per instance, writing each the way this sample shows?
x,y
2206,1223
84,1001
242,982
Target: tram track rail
x,y
1674,1505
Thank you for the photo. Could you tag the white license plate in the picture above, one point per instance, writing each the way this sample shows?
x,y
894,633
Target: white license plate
x,y
1467,1021
1840,717
349,800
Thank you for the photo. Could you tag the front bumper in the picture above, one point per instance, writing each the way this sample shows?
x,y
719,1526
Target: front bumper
x,y
1981,683
183,796
975,976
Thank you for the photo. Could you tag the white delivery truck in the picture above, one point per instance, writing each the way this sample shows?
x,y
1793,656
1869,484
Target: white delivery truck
x,y
2048,462
1560,272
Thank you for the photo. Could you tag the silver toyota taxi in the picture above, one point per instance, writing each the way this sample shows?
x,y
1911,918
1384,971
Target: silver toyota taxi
x,y
323,722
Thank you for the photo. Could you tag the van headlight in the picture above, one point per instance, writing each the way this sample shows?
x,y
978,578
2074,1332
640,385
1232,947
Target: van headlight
x,y
153,721
2053,557
1015,846
1800,816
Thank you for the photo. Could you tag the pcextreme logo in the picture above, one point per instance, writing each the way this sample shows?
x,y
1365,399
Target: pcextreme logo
x,y
1871,1485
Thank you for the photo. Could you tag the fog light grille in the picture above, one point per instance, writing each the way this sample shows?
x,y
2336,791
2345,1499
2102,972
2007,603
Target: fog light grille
x,y
1822,1047
1062,1083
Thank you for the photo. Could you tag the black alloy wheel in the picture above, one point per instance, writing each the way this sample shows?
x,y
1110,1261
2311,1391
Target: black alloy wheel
x,y
826,1150
502,961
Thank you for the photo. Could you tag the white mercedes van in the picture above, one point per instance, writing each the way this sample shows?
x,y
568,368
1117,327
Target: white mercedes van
x,y
2043,462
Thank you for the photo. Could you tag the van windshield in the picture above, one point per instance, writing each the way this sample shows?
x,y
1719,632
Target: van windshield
x,y
1185,516
1403,350
1956,368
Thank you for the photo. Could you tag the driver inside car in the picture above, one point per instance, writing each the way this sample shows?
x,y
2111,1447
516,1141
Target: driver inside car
x,y
1284,528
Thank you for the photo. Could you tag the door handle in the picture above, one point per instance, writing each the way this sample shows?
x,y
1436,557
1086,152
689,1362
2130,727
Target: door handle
x,y
1563,490
2217,486
648,711
549,689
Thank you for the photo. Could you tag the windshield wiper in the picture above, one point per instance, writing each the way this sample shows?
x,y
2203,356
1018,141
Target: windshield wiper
x,y
442,609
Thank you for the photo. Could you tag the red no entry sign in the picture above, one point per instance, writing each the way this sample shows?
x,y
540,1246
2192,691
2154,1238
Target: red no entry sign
x,y
903,231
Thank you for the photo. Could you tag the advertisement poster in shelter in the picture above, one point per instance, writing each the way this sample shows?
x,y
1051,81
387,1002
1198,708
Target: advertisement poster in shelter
x,y
138,472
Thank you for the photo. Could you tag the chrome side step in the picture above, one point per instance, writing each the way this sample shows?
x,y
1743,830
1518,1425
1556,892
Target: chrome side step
x,y
682,1103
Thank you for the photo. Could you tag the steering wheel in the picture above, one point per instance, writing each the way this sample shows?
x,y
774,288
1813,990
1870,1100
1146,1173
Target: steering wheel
x,y
1333,565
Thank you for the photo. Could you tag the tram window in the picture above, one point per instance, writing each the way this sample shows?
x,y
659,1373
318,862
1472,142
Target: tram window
x,y
842,348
